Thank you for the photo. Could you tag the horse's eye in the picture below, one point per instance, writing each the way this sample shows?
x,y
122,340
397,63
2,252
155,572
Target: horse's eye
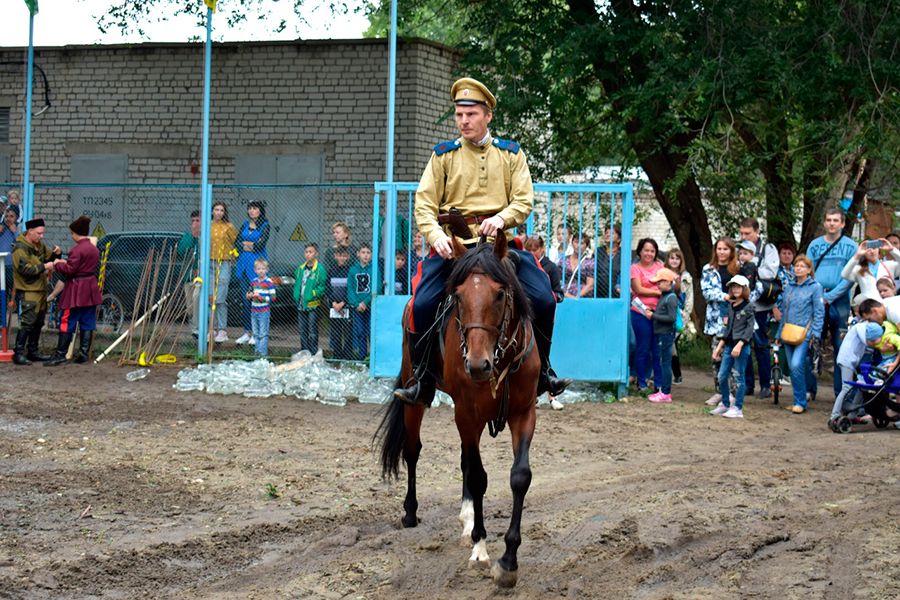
x,y
499,296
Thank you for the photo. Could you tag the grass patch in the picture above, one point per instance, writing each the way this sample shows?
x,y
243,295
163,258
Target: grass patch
x,y
695,352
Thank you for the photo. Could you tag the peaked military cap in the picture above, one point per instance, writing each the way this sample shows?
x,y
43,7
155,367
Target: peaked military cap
x,y
468,92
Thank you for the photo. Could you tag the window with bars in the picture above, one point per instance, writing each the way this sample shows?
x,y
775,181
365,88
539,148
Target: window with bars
x,y
4,124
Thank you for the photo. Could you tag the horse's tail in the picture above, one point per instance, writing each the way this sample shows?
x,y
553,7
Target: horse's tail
x,y
391,436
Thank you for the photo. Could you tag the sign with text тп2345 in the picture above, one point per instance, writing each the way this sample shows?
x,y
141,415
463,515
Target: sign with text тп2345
x,y
210,3
33,6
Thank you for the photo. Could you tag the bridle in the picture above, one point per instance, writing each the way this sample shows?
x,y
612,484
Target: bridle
x,y
505,345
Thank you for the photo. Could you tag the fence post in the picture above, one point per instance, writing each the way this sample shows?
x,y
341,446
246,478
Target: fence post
x,y
204,242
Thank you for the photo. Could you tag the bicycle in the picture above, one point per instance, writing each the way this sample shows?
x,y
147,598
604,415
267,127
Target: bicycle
x,y
776,373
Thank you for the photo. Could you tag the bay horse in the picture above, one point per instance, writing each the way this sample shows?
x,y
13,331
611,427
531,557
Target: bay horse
x,y
488,364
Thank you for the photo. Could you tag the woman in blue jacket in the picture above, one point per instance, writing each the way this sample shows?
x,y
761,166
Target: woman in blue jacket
x,y
802,304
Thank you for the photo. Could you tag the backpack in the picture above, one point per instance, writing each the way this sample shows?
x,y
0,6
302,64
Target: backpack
x,y
770,289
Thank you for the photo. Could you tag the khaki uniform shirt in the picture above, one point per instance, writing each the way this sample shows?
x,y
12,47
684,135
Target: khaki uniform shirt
x,y
478,180
29,274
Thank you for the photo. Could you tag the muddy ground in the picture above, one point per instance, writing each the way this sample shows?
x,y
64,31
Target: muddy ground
x,y
132,490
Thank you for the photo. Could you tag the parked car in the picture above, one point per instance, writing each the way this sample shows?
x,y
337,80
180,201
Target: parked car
x,y
125,264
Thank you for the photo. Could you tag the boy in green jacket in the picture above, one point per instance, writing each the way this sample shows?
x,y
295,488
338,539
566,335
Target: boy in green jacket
x,y
309,290
359,299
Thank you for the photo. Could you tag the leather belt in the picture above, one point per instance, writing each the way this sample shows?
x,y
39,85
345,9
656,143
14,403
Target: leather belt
x,y
446,219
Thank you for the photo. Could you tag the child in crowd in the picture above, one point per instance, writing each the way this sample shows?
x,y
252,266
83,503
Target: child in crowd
x,y
359,297
339,313
746,250
261,296
664,330
854,347
885,287
309,290
888,345
735,342
401,276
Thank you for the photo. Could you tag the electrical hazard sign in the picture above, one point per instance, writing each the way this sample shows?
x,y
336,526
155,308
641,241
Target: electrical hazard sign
x,y
99,232
299,234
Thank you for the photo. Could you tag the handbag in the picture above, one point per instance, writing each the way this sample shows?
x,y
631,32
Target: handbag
x,y
791,334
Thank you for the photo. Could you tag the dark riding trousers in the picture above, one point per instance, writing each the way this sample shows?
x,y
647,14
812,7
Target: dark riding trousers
x,y
430,283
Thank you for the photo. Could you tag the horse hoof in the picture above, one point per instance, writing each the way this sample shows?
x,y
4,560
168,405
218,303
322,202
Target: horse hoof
x,y
407,522
479,556
504,578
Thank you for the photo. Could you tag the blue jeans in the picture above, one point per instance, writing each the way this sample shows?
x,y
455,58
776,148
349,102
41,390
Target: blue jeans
x,y
309,330
221,290
360,332
664,343
761,350
836,326
646,352
738,365
259,323
802,378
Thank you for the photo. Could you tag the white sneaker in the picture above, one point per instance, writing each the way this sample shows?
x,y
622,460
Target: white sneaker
x,y
719,410
714,400
222,336
252,341
243,339
785,382
556,404
734,413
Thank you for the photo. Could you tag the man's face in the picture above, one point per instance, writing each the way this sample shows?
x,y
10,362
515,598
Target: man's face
x,y
834,223
876,315
473,121
195,226
35,235
748,233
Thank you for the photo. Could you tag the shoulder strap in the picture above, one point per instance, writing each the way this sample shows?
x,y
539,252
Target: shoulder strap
x,y
830,248
445,147
508,145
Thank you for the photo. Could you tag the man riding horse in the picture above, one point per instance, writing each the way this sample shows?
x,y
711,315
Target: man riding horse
x,y
472,186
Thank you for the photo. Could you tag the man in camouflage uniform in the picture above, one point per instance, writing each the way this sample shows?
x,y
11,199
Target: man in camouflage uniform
x,y
485,182
32,265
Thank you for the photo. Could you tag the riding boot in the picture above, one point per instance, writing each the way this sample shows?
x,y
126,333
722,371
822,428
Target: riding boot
x,y
62,347
422,389
548,381
19,351
84,350
34,354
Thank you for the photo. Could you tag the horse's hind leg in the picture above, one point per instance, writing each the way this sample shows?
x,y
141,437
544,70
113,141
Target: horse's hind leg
x,y
412,416
474,487
505,570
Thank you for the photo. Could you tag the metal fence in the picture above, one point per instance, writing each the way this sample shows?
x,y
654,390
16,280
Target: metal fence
x,y
149,251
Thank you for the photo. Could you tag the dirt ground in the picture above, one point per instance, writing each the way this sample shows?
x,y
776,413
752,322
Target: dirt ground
x,y
133,490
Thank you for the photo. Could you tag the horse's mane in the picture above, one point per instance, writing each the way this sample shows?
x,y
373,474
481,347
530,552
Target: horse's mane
x,y
482,258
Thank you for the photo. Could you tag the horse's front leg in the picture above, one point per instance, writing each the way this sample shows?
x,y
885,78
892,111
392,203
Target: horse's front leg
x,y
474,488
412,446
505,571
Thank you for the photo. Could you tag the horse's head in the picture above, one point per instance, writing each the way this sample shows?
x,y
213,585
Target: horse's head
x,y
487,295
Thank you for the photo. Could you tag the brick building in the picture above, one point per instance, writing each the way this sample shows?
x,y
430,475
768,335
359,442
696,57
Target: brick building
x,y
281,113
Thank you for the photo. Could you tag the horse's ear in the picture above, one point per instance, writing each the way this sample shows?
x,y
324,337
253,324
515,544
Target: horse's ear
x,y
500,245
458,248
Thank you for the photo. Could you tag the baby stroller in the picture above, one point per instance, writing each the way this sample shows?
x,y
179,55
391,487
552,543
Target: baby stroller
x,y
876,388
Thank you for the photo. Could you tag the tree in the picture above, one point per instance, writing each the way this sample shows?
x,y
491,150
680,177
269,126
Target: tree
x,y
721,102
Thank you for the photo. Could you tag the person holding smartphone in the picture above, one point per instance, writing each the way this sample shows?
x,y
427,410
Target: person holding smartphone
x,y
873,260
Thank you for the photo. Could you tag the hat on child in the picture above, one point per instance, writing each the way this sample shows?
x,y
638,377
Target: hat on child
x,y
873,331
664,274
739,280
747,245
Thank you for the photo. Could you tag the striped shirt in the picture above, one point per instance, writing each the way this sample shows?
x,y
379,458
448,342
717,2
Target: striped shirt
x,y
265,289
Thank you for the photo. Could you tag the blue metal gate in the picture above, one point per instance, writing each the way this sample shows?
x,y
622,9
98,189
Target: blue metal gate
x,y
590,337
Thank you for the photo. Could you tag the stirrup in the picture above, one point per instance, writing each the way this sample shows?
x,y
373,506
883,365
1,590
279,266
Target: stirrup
x,y
418,392
552,385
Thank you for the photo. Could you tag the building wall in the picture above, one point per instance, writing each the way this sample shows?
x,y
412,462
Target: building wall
x,y
310,97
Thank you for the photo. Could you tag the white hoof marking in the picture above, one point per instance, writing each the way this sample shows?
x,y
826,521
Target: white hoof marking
x,y
479,553
467,518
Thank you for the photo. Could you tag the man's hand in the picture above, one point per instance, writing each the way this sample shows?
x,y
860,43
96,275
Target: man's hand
x,y
56,250
492,226
444,247
48,266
